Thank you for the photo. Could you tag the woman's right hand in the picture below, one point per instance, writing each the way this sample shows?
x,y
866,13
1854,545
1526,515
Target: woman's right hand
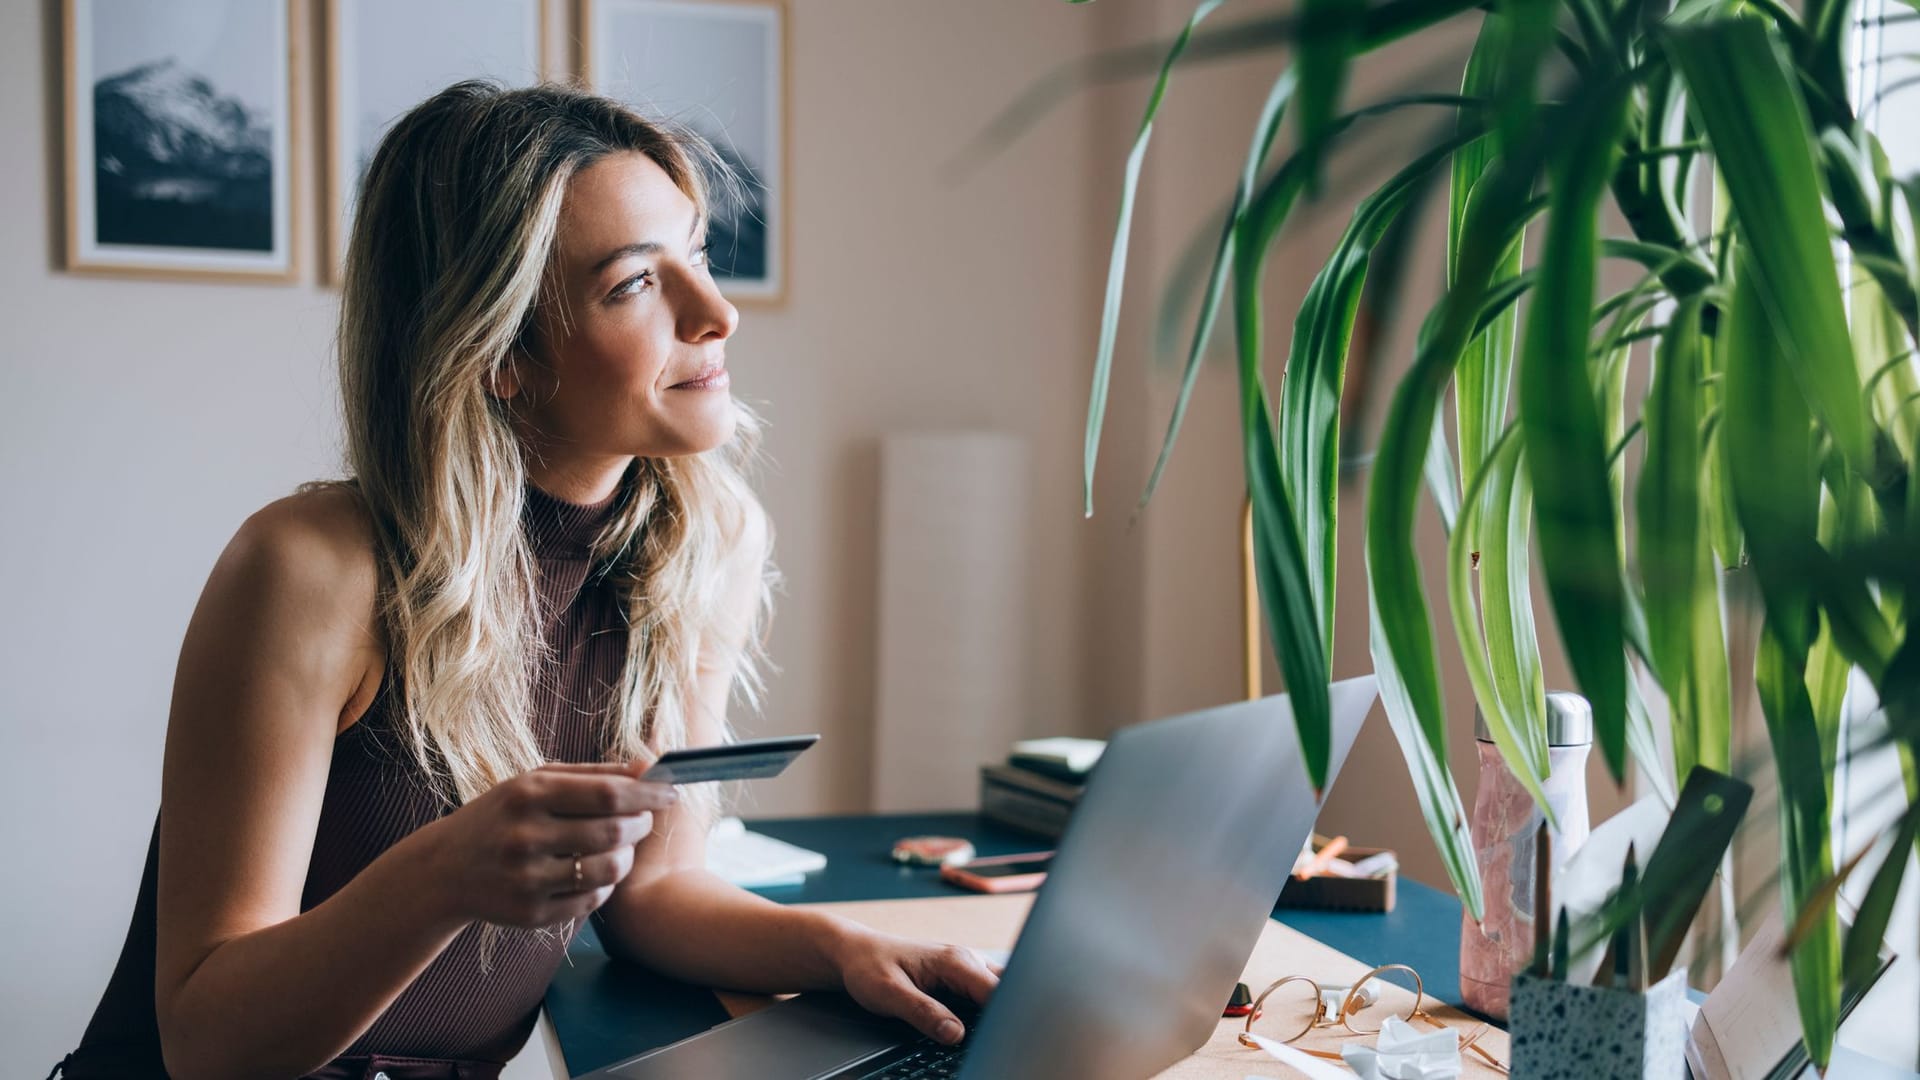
x,y
509,856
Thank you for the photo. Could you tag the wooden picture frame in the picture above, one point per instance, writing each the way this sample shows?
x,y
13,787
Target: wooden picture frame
x,y
724,68
436,43
182,138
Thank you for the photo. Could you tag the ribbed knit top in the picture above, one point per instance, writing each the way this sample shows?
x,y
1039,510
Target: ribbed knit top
x,y
376,794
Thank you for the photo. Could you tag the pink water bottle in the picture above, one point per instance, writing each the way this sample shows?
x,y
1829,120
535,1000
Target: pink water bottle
x,y
1505,822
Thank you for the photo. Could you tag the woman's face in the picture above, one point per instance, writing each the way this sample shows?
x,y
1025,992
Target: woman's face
x,y
629,357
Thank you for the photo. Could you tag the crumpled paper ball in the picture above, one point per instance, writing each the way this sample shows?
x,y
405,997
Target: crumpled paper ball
x,y
1404,1052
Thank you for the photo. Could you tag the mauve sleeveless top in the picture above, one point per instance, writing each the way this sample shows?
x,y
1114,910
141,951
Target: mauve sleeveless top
x,y
454,1020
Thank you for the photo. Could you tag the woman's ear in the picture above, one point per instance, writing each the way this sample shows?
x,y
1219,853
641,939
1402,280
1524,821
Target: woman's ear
x,y
503,382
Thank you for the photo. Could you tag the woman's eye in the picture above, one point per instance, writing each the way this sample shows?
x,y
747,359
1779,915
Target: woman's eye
x,y
706,256
634,284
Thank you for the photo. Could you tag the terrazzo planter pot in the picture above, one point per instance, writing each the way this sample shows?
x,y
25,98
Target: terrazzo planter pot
x,y
1562,1031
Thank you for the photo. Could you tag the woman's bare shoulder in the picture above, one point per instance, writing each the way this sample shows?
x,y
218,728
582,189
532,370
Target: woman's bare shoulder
x,y
299,585
309,556
319,537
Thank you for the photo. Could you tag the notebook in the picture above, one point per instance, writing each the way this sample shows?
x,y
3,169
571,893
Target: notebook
x,y
754,860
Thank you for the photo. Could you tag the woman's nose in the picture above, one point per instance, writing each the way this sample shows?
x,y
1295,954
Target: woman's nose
x,y
707,314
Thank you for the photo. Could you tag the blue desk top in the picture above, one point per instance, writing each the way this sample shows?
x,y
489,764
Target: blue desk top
x,y
604,1011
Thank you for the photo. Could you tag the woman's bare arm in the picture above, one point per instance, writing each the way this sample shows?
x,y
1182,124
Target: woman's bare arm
x,y
281,656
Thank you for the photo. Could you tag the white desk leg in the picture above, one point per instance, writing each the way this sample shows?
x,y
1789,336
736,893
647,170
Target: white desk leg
x,y
541,1058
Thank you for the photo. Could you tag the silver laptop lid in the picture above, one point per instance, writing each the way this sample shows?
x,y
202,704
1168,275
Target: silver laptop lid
x,y
1169,870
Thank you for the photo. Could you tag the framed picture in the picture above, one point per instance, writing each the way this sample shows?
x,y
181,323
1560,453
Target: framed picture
x,y
720,67
386,56
180,137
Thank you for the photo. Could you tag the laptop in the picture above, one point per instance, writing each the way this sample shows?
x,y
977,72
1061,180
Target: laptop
x,y
1169,869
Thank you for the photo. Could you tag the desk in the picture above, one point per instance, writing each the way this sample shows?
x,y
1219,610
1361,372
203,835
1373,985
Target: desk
x,y
604,1012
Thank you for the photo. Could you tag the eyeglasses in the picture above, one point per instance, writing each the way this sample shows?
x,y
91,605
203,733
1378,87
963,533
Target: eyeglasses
x,y
1300,1005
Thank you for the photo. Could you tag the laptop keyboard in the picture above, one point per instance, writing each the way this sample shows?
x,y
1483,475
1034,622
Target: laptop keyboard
x,y
924,1060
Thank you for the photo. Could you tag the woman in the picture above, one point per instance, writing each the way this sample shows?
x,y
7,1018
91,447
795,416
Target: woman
x,y
412,708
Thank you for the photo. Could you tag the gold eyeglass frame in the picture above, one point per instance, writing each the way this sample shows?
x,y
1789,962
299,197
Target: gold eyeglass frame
x,y
1351,1004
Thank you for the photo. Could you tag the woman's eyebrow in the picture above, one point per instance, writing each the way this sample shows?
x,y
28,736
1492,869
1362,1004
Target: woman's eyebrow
x,y
644,247
649,247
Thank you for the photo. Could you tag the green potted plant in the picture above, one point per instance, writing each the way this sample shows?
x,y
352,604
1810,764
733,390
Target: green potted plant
x,y
1778,306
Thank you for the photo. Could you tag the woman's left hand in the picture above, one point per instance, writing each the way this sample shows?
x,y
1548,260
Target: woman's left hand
x,y
897,977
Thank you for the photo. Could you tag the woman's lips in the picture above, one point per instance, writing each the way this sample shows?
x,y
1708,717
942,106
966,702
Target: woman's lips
x,y
716,379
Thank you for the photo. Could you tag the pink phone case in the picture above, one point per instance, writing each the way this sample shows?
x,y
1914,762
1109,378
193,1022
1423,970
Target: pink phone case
x,y
965,877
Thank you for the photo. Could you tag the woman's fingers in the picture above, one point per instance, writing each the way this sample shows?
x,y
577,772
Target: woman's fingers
x,y
591,835
928,1016
598,794
600,871
633,768
963,970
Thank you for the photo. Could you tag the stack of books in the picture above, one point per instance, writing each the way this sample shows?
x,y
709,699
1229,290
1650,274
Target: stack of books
x,y
1038,787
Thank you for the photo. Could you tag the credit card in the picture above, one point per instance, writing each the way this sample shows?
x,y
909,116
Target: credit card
x,y
755,759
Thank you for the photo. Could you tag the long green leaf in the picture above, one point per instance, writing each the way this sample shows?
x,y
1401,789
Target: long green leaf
x,y
1887,366
1485,371
1506,598
1886,358
1763,141
1442,482
1724,537
1280,557
1334,28
1860,957
1612,364
1564,440
1286,579
1642,745
1775,479
1776,488
1285,589
1117,262
1316,370
1827,666
1264,133
1527,32
1394,573
1682,588
1651,187
1269,207
1489,505
1433,785
1807,856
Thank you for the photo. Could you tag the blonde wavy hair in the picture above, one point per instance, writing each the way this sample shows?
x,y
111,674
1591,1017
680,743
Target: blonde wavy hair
x,y
445,273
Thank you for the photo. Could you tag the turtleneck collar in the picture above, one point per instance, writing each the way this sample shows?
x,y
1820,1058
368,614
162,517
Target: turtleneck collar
x,y
557,529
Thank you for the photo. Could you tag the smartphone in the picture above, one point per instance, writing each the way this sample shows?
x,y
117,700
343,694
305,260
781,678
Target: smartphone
x,y
754,759
1001,874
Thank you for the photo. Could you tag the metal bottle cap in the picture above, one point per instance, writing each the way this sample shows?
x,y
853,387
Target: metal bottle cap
x,y
1569,721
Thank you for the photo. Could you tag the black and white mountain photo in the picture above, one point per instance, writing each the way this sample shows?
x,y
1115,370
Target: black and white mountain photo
x,y
177,164
181,149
